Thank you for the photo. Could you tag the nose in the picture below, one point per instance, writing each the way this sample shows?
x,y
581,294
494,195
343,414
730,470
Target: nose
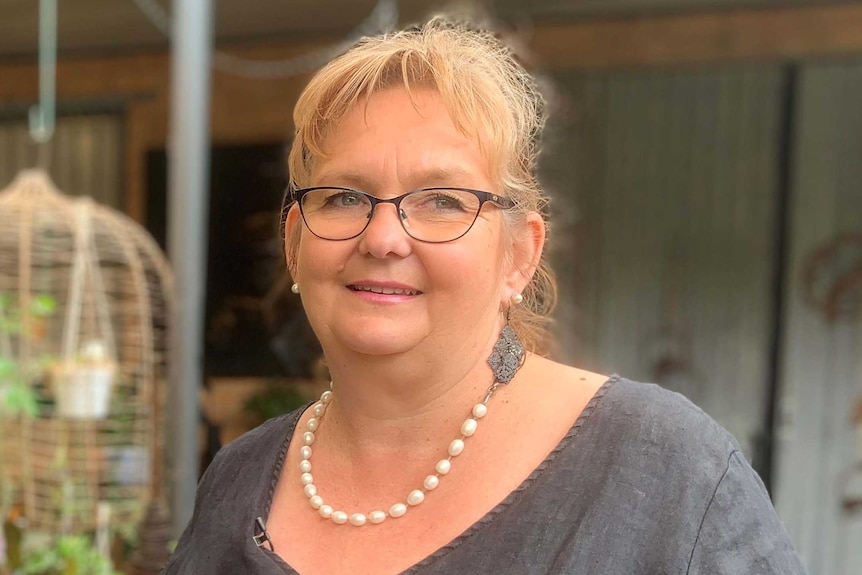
x,y
384,234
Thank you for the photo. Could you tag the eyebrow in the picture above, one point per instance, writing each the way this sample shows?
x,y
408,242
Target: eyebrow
x,y
437,176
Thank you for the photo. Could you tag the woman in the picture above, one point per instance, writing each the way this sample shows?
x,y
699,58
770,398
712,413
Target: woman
x,y
415,239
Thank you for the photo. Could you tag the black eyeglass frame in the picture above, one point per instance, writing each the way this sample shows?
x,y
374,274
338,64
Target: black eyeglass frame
x,y
483,197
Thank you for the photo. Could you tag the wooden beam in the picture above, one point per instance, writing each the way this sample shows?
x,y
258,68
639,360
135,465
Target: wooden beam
x,y
729,36
253,111
785,33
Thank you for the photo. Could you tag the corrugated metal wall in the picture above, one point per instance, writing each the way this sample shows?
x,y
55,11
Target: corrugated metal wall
x,y
666,225
86,158
671,214
822,367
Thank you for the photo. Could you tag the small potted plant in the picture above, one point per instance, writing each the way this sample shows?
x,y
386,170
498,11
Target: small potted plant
x,y
82,385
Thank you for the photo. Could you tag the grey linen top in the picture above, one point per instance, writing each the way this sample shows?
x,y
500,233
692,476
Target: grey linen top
x,y
643,483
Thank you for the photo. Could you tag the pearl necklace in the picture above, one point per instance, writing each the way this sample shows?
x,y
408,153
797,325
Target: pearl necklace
x,y
414,498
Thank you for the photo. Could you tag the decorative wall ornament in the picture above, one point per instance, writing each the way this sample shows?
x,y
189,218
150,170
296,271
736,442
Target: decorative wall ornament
x,y
85,296
832,278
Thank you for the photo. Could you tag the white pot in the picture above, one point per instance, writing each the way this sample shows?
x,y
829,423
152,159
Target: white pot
x,y
83,391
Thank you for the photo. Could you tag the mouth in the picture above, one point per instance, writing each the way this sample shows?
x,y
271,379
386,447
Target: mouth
x,y
384,290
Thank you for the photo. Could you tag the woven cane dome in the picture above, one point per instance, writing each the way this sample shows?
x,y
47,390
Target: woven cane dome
x,y
94,358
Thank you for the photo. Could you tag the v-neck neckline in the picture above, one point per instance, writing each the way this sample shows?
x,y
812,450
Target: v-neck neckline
x,y
475,527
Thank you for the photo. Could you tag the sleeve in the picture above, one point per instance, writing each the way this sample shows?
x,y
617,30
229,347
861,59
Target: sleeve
x,y
740,532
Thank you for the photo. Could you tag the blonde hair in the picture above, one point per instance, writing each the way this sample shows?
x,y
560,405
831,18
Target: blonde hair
x,y
488,94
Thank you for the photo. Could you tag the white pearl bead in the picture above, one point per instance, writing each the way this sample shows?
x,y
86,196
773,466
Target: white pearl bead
x,y
376,517
415,497
358,519
469,427
456,447
339,517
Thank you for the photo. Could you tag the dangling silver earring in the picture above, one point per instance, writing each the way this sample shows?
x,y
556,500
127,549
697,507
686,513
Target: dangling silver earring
x,y
294,288
508,355
517,298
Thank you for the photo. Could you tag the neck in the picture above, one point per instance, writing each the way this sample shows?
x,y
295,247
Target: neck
x,y
389,403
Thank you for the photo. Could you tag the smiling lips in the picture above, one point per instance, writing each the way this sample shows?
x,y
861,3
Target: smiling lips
x,y
384,290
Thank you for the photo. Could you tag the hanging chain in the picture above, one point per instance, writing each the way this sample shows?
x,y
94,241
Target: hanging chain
x,y
384,17
43,116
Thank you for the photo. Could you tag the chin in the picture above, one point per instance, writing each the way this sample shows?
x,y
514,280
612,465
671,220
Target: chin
x,y
380,350
378,340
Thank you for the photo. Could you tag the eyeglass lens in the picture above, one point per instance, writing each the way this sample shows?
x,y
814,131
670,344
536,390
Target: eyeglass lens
x,y
436,215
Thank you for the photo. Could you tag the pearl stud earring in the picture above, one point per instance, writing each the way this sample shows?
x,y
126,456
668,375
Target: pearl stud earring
x,y
294,288
516,299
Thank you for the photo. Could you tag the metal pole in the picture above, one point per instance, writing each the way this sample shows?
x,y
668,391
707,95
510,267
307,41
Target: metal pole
x,y
188,208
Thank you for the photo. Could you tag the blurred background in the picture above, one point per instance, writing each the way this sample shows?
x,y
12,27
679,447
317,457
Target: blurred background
x,y
704,159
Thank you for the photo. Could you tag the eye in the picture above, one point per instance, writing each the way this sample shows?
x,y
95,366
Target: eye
x,y
344,199
444,202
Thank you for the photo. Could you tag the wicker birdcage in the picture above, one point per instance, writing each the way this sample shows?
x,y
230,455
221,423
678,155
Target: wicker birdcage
x,y
85,295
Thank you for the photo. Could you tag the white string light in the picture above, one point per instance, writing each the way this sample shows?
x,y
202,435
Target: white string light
x,y
384,17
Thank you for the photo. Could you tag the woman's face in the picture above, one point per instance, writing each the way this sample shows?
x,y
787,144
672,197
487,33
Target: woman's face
x,y
445,293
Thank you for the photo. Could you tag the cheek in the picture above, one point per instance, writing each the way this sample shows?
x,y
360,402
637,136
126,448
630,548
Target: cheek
x,y
473,272
317,259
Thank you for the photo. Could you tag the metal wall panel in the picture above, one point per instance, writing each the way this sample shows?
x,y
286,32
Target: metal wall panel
x,y
822,364
86,156
665,189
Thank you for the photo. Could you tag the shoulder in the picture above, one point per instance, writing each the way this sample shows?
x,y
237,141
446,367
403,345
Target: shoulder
x,y
232,492
653,427
656,413
254,448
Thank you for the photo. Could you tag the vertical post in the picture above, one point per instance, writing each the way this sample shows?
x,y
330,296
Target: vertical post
x,y
188,208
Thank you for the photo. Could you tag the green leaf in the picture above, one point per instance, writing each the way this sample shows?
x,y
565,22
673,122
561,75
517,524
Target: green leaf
x,y
43,305
21,399
42,561
68,555
8,369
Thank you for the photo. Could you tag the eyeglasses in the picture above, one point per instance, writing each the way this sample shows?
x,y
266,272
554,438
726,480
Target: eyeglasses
x,y
433,215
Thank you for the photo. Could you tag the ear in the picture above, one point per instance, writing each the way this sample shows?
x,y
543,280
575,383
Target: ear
x,y
528,244
292,232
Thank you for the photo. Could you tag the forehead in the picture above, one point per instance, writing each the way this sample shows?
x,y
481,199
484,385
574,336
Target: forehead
x,y
404,138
